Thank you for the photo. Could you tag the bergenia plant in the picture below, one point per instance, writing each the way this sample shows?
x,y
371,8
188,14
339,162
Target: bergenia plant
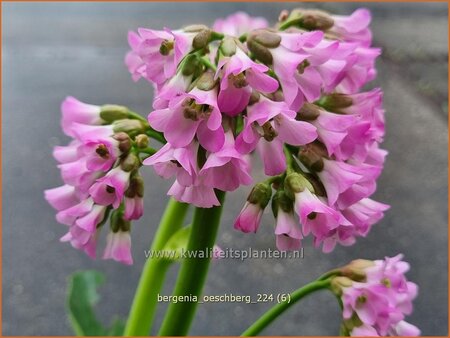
x,y
291,95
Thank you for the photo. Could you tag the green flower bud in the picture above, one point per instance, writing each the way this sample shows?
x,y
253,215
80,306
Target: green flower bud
x,y
308,112
261,53
281,200
112,112
128,126
228,46
316,19
191,65
142,141
194,28
118,223
206,81
335,102
295,183
265,38
337,283
260,194
130,163
202,39
356,270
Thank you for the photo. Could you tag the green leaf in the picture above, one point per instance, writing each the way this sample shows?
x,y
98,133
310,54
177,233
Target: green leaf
x,y
177,243
81,298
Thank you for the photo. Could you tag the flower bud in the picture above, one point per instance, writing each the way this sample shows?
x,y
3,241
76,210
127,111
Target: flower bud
x,y
295,183
191,65
315,19
112,112
311,155
202,39
130,163
260,194
259,41
355,270
194,28
142,141
336,101
136,187
124,141
206,81
266,38
281,200
308,112
118,223
228,46
337,283
311,19
128,126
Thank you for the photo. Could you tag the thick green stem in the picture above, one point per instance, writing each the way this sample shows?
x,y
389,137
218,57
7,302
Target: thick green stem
x,y
145,300
267,318
193,271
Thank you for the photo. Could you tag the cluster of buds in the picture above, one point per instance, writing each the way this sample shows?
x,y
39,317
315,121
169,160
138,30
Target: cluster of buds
x,y
100,169
375,297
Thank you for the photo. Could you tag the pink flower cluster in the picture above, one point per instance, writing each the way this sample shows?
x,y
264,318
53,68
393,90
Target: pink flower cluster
x,y
100,172
377,305
292,95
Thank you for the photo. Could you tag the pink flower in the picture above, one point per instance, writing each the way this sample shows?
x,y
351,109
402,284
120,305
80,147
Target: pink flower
x,y
354,28
197,194
381,301
82,240
359,70
333,128
101,153
193,114
305,64
337,177
69,153
74,110
134,208
155,54
268,126
179,162
287,231
239,23
118,247
364,214
404,329
239,75
62,197
226,169
110,189
249,218
90,221
315,216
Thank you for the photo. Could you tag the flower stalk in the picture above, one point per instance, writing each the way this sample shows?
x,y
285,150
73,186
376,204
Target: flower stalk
x,y
152,279
193,271
266,319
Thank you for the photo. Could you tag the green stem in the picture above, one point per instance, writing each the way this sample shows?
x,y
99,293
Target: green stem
x,y
136,116
208,63
193,271
267,318
145,300
293,22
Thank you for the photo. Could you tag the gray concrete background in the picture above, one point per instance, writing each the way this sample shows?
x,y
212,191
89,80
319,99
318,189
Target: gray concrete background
x,y
54,50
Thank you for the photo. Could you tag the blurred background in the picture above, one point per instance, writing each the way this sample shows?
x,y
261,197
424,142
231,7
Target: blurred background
x,y
51,50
